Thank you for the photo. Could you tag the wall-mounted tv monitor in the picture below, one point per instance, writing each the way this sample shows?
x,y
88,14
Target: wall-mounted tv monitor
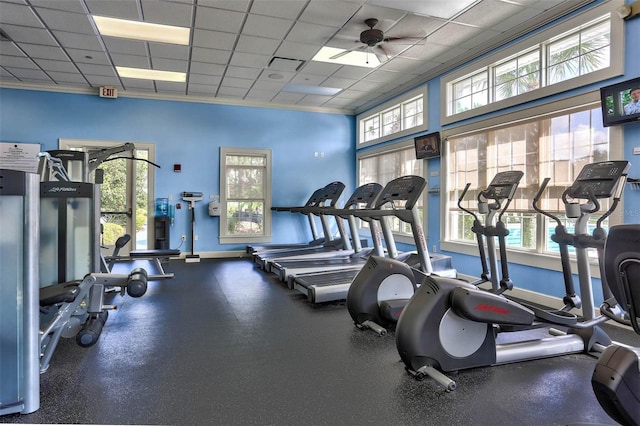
x,y
621,102
427,146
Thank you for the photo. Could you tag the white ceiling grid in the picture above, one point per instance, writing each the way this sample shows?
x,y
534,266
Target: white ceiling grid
x,y
54,45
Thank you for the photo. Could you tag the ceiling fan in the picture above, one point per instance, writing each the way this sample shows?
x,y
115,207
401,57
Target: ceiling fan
x,y
375,40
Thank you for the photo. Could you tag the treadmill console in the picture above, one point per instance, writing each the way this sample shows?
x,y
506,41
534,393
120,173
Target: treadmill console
x,y
365,194
503,185
332,192
406,188
602,178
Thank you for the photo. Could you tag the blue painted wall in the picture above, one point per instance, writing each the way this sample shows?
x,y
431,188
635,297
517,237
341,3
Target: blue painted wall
x,y
191,134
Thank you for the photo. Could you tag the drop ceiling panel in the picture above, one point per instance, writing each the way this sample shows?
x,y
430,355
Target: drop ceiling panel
x,y
114,9
214,39
259,45
266,26
453,34
206,68
60,66
237,82
29,74
488,13
256,94
167,13
64,77
131,83
169,51
243,72
202,89
233,92
91,69
29,35
74,6
308,79
44,52
18,62
441,9
310,33
314,100
18,14
213,56
9,49
323,11
169,64
88,57
66,21
123,45
250,60
231,41
218,19
132,61
285,9
321,68
302,51
171,86
205,80
78,41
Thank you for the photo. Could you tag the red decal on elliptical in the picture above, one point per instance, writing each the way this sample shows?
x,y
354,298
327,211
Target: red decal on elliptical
x,y
490,308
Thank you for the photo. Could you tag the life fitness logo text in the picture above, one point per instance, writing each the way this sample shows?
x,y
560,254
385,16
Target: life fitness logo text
x,y
62,189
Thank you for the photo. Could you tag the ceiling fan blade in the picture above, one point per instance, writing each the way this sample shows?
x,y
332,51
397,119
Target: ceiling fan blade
x,y
381,54
404,40
341,54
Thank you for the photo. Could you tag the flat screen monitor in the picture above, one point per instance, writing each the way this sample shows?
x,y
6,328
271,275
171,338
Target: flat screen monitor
x,y
621,102
427,146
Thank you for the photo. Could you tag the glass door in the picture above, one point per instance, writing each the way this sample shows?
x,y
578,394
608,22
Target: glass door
x,y
127,183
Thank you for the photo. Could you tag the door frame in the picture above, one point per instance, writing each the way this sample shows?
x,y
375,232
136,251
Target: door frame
x,y
65,143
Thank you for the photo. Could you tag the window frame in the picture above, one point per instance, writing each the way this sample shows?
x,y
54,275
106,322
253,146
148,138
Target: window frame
x,y
223,235
379,111
405,144
565,106
538,41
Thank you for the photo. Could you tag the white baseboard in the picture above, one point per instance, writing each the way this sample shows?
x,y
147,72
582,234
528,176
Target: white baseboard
x,y
233,254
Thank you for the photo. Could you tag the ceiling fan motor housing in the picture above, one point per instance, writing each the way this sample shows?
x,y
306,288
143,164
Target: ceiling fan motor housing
x,y
371,37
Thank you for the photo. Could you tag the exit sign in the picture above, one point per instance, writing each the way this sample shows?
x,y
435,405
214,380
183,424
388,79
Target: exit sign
x,y
108,92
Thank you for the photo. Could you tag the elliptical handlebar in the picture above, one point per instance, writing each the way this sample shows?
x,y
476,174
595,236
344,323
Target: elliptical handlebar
x,y
461,198
537,198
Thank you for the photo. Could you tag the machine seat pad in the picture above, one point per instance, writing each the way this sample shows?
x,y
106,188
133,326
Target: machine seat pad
x,y
59,293
154,253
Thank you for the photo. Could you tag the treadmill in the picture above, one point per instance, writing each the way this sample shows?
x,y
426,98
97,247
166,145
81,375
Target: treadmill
x,y
407,190
317,240
330,194
364,195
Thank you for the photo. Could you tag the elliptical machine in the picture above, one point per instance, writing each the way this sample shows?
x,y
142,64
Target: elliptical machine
x,y
384,286
451,325
616,377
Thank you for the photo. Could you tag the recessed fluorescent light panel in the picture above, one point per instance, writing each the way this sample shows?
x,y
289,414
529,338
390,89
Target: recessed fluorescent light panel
x,y
311,90
142,30
355,58
145,74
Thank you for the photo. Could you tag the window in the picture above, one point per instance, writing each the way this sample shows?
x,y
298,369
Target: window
x,y
470,92
245,195
579,53
555,145
394,119
517,76
382,166
573,53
